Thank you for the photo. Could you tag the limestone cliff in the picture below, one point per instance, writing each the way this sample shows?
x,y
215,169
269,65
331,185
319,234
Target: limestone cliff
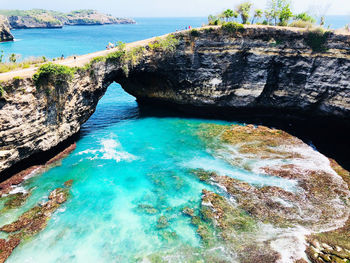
x,y
5,34
263,68
256,69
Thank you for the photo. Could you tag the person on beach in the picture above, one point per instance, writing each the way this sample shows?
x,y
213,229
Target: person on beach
x,y
62,57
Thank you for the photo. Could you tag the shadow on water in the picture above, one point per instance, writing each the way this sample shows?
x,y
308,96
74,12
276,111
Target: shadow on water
x,y
331,139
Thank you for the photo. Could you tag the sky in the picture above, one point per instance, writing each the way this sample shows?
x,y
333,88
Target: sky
x,y
172,8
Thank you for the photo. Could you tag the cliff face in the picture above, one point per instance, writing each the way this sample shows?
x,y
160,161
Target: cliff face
x,y
5,34
256,69
259,68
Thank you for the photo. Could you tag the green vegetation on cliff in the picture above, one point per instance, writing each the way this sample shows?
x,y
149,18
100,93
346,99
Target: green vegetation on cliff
x,y
53,74
277,13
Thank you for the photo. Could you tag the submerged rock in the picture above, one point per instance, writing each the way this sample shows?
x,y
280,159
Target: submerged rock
x,y
319,200
31,222
162,222
15,200
6,247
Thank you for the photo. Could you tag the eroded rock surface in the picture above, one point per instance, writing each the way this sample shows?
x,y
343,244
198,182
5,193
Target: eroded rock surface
x,y
32,221
5,33
269,223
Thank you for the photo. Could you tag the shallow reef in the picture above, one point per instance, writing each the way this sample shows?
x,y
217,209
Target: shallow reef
x,y
319,202
32,221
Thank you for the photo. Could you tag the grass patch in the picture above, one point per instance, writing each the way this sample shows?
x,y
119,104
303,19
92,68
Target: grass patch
x,y
317,40
167,44
232,27
194,33
2,91
53,74
10,66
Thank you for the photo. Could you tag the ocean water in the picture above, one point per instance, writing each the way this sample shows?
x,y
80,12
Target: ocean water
x,y
127,158
79,40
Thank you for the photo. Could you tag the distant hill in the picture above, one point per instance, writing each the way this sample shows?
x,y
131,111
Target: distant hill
x,y
39,18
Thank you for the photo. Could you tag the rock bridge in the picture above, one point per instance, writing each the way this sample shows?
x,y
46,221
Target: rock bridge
x,y
212,69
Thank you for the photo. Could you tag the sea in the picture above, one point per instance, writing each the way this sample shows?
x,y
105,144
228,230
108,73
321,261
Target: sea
x,y
126,160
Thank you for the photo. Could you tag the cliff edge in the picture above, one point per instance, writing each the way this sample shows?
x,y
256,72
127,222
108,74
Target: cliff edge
x,y
5,34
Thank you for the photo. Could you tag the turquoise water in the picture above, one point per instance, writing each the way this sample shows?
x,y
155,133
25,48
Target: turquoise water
x,y
78,40
126,159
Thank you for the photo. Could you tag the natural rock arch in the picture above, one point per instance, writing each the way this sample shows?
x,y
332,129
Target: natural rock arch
x,y
213,70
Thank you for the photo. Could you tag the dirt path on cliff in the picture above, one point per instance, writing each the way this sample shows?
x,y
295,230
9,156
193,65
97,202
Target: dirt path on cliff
x,y
70,61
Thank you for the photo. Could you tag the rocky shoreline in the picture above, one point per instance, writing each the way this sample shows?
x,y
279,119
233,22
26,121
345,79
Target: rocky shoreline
x,y
243,210
250,223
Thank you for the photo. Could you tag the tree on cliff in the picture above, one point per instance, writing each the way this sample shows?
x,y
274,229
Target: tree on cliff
x,y
257,14
244,11
228,14
279,10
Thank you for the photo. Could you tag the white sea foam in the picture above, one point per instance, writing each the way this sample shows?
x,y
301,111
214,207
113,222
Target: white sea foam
x,y
33,173
17,189
112,150
223,168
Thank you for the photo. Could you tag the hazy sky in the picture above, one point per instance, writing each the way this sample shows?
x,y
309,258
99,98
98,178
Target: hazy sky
x,y
175,8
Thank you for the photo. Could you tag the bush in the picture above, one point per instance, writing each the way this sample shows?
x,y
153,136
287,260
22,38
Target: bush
x,y
317,39
54,74
232,27
167,44
2,91
302,24
194,33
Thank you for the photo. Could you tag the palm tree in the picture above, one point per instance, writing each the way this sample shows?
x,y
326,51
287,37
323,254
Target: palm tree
x,y
228,14
244,9
257,15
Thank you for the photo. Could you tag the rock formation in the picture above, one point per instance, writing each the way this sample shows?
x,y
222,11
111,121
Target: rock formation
x,y
212,69
5,34
19,22
38,18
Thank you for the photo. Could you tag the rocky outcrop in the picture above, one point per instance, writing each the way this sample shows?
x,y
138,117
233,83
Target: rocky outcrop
x,y
19,22
51,19
92,17
212,69
5,34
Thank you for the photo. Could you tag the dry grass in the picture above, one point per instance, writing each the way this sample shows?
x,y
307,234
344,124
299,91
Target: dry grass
x,y
27,63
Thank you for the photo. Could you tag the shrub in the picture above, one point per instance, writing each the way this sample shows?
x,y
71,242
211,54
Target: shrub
x,y
317,39
115,56
232,27
2,91
167,44
302,24
305,17
194,33
54,74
